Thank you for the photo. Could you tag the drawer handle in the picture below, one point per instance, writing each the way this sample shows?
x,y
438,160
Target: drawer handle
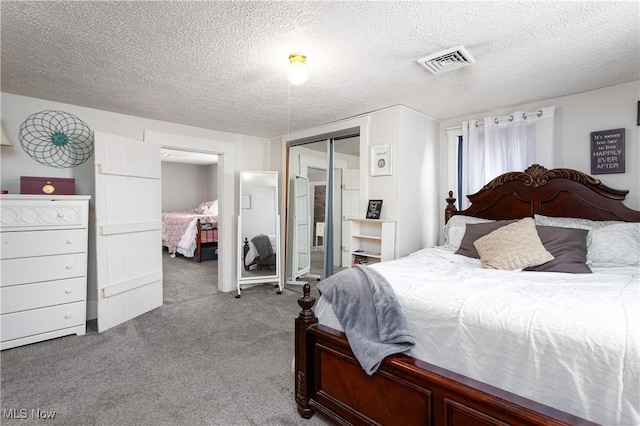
x,y
69,266
67,316
69,241
68,291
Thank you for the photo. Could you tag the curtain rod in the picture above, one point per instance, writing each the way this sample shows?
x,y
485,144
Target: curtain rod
x,y
510,117
496,120
525,115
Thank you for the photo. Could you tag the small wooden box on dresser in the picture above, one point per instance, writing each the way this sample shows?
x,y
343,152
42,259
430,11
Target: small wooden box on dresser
x,y
43,254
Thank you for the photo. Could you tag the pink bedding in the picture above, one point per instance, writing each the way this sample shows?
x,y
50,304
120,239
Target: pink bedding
x,y
175,224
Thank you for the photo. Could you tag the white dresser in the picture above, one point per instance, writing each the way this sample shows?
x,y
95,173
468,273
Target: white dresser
x,y
43,255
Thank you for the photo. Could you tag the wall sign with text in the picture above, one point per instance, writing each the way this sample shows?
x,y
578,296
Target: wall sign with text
x,y
607,151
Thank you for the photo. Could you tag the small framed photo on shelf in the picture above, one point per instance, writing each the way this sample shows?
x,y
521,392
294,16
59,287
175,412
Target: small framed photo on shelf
x,y
374,209
381,160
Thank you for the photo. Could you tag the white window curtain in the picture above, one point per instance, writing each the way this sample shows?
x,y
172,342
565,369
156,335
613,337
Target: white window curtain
x,y
504,144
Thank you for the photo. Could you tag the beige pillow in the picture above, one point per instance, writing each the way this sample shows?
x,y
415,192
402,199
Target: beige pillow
x,y
513,246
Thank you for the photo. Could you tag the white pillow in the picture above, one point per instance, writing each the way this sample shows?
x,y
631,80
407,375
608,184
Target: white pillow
x,y
610,243
614,245
455,228
573,222
213,208
204,207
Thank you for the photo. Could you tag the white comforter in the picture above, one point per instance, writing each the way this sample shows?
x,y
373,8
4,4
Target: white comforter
x,y
570,341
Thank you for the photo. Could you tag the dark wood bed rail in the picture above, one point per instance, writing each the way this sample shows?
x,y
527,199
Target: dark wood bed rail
x,y
306,318
200,245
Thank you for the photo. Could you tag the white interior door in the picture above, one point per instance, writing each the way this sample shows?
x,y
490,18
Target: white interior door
x,y
350,199
302,233
128,228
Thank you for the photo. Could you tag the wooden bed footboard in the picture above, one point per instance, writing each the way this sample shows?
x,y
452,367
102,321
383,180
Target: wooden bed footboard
x,y
404,391
202,229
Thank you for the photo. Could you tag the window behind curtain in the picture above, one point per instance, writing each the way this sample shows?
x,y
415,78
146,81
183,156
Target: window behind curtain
x,y
499,145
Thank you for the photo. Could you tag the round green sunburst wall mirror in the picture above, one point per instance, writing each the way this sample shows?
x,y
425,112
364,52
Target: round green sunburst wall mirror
x,y
56,139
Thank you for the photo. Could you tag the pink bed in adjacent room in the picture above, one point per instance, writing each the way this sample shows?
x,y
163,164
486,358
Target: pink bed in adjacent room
x,y
180,229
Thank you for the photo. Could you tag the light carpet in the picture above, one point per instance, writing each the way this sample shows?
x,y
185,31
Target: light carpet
x,y
203,358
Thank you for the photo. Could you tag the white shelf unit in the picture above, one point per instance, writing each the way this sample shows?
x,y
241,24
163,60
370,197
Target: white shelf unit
x,y
372,240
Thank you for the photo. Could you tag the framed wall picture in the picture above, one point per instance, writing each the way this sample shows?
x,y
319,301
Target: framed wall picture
x,y
381,160
374,209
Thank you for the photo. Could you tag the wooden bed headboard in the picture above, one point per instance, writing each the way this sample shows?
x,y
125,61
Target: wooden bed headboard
x,y
555,192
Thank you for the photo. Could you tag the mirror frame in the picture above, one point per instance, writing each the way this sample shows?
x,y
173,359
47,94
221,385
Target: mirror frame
x,y
243,281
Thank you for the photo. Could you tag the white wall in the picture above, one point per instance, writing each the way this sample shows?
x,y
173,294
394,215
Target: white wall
x,y
408,194
259,217
185,186
576,117
418,184
212,178
241,151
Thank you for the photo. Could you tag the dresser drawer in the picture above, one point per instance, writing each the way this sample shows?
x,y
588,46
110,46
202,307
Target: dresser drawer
x,y
37,321
42,243
30,296
26,213
39,269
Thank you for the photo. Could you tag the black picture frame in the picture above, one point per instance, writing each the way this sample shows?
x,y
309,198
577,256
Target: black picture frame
x,y
638,113
374,209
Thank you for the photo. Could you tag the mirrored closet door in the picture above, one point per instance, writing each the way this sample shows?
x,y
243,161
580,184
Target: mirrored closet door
x,y
258,230
316,190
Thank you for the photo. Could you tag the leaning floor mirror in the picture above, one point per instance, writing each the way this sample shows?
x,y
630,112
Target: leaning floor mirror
x,y
258,230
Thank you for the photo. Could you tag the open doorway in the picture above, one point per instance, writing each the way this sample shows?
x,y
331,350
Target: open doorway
x,y
190,211
227,260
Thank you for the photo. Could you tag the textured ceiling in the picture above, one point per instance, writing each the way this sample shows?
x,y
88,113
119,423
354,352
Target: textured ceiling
x,y
222,65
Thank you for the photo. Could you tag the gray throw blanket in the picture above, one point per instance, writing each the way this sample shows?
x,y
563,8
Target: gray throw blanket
x,y
263,246
370,314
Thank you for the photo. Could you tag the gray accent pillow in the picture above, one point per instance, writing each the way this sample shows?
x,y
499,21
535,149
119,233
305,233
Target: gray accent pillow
x,y
475,231
568,247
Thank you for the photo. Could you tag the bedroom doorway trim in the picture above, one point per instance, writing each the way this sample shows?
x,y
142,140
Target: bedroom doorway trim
x,y
226,174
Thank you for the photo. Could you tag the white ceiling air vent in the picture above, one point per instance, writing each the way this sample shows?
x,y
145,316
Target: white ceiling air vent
x,y
447,60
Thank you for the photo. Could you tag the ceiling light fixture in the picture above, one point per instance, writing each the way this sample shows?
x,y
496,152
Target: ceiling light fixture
x,y
297,73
